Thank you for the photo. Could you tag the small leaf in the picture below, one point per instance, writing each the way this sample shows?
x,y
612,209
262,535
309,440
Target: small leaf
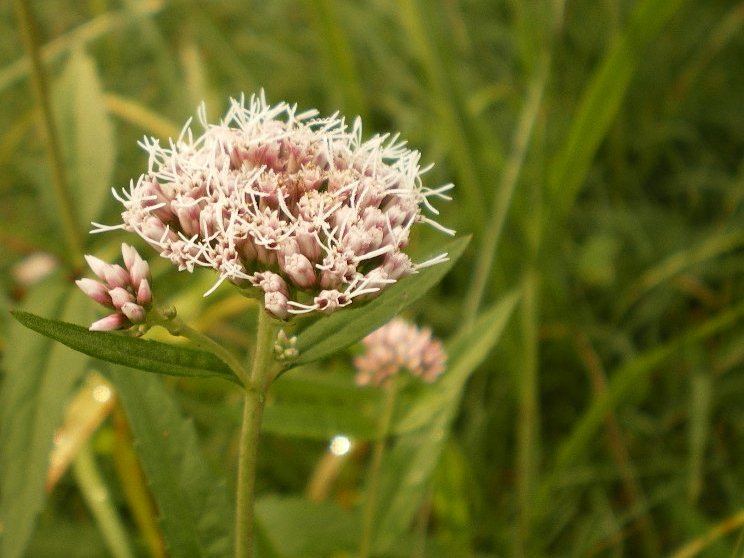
x,y
87,134
143,354
341,329
195,511
40,376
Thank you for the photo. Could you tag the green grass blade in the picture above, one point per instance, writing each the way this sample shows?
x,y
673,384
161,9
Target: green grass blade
x,y
87,135
629,375
408,467
602,98
330,334
195,511
40,376
143,354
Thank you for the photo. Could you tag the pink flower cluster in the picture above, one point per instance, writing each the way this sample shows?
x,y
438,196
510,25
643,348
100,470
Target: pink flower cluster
x,y
396,346
292,204
126,291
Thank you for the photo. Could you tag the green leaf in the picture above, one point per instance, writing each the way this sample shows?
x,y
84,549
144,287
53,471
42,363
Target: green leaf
x,y
330,334
143,354
294,527
409,465
39,377
602,99
195,511
87,134
318,405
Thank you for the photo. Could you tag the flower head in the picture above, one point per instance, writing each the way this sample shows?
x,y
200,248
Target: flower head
x,y
126,289
397,346
295,205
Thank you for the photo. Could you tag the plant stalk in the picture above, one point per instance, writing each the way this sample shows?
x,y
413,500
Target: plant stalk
x,y
373,482
60,188
262,373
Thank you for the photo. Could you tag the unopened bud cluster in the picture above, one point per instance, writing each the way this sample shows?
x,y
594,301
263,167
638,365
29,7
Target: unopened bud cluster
x,y
126,290
289,203
398,346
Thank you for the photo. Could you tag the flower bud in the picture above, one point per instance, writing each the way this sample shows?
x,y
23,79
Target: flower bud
x,y
134,312
95,290
117,276
144,294
98,266
109,323
120,296
276,304
300,270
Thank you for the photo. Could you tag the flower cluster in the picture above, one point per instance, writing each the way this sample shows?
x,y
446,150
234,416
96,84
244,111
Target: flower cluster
x,y
292,204
126,291
396,346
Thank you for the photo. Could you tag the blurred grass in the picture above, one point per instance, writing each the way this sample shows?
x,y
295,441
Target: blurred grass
x,y
596,149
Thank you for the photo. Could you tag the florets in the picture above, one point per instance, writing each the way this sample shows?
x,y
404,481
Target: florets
x,y
293,204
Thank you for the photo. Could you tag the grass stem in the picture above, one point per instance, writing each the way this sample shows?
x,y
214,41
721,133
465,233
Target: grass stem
x,y
373,482
60,188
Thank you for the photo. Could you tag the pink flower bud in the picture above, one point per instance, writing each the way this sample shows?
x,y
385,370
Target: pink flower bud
x,y
276,304
144,293
397,265
98,266
140,271
130,255
109,323
120,296
134,312
188,218
117,276
95,290
300,270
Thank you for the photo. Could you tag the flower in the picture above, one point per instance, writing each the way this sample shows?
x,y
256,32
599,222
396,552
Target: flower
x,y
127,291
292,204
399,345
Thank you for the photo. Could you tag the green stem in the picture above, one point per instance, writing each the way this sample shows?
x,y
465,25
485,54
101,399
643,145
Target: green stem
x,y
502,201
373,483
63,199
262,372
97,497
176,326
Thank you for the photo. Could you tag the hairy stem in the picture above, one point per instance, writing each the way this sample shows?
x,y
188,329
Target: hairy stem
x,y
262,372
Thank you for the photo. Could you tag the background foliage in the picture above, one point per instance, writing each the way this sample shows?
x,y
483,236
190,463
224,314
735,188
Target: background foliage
x,y
596,149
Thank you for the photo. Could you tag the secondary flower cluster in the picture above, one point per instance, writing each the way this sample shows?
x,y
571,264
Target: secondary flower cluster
x,y
295,205
397,346
126,291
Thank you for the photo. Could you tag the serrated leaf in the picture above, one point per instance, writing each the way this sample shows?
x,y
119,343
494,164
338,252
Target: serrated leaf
x,y
87,134
195,510
40,376
409,465
332,333
143,354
